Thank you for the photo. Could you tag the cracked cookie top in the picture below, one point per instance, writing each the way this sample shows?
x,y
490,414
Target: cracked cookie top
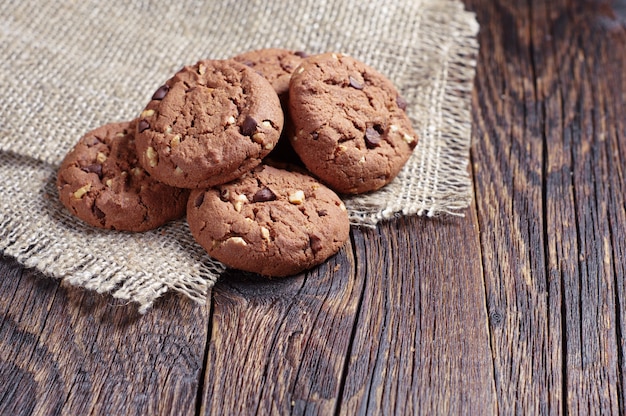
x,y
270,221
101,182
351,130
208,124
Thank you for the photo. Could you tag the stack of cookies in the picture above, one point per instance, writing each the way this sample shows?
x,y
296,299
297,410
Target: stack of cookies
x,y
253,150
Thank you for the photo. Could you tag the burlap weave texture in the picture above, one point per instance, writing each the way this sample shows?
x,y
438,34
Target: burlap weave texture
x,y
70,66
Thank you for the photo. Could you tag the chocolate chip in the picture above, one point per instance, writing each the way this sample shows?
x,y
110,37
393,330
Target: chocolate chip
x,y
372,137
98,212
315,135
199,200
161,92
401,102
224,194
322,213
301,54
142,126
316,243
95,168
264,195
248,127
355,84
92,141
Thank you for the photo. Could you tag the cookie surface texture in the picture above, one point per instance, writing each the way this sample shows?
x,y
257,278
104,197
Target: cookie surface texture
x,y
101,182
351,128
271,221
276,65
209,124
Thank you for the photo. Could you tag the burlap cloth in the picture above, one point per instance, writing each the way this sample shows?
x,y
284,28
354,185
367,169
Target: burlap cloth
x,y
69,66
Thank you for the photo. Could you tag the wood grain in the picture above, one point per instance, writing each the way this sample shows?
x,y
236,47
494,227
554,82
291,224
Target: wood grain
x,y
611,62
66,350
278,347
421,342
543,180
590,321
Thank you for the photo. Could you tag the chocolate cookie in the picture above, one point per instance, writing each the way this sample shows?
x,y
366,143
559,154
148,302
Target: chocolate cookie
x,y
101,182
277,65
208,125
270,221
351,128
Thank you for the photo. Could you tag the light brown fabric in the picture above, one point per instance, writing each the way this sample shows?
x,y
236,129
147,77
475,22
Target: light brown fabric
x,y
70,66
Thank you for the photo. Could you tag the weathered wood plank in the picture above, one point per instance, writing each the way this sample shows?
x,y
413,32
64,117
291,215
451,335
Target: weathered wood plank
x,y
279,346
421,342
577,200
603,43
611,62
76,352
507,164
591,342
541,124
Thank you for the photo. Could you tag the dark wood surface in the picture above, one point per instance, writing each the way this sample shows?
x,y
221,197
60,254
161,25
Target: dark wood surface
x,y
517,308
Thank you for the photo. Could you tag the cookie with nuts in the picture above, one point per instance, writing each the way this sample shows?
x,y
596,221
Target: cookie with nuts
x,y
101,182
270,221
352,131
208,124
277,65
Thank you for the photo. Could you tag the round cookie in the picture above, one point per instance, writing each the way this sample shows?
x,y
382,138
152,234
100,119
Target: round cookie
x,y
351,128
270,221
101,182
277,65
209,124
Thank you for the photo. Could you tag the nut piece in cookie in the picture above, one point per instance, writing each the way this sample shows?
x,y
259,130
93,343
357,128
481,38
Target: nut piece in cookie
x,y
101,182
270,221
351,129
209,124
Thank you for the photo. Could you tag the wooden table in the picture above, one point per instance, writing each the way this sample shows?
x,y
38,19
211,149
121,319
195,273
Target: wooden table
x,y
517,308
